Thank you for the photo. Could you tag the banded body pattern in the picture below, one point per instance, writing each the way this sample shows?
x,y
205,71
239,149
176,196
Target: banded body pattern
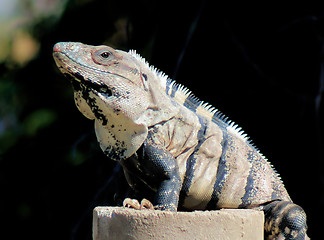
x,y
220,168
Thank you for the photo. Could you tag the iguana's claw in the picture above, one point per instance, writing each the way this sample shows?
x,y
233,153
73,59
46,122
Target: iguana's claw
x,y
146,204
133,203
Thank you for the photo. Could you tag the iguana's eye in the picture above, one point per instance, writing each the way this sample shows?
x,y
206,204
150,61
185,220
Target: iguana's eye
x,y
105,54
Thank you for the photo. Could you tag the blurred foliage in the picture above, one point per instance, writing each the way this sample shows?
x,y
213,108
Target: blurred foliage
x,y
260,65
17,18
18,47
37,120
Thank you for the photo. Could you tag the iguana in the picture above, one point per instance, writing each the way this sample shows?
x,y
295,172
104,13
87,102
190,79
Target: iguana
x,y
175,150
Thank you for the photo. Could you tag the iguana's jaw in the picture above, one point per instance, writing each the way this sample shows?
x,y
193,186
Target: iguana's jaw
x,y
70,66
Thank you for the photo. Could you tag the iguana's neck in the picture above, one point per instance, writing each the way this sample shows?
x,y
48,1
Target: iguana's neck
x,y
161,107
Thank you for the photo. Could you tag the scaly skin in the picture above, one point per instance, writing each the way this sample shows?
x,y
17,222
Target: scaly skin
x,y
171,144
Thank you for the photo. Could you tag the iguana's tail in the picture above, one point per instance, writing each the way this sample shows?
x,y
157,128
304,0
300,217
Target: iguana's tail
x,y
284,220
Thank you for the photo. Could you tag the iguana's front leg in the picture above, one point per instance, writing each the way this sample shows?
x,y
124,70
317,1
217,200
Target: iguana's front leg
x,y
165,166
158,170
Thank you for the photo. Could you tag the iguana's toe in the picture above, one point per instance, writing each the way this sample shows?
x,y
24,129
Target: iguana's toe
x,y
131,203
146,204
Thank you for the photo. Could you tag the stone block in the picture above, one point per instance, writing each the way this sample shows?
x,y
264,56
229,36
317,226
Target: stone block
x,y
120,223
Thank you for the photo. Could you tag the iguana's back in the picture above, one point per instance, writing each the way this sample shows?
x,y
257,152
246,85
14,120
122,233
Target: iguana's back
x,y
219,167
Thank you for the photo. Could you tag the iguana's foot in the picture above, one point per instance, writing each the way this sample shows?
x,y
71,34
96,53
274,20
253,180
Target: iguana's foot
x,y
133,203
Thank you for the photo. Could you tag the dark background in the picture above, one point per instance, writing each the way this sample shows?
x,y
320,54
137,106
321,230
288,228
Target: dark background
x,y
260,65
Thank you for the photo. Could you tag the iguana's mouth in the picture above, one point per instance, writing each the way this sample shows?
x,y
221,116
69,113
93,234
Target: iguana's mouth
x,y
78,78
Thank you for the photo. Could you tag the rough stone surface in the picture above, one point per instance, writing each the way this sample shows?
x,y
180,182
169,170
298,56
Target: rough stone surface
x,y
124,223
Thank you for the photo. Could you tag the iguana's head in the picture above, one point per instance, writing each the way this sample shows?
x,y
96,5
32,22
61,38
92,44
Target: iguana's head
x,y
103,76
111,87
